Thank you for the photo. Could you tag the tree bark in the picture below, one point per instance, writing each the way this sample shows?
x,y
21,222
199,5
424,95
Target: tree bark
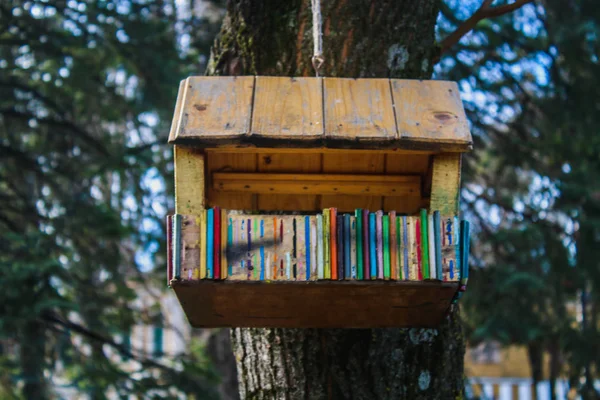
x,y
380,39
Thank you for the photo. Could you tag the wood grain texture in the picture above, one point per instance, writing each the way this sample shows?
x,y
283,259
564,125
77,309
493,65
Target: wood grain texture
x,y
350,304
430,112
189,180
215,108
358,109
234,163
410,164
287,163
175,124
445,184
331,184
288,108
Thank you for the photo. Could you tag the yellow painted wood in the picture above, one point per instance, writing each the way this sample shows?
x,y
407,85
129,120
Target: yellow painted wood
x,y
235,163
358,109
430,113
286,163
445,184
377,185
214,108
189,180
288,108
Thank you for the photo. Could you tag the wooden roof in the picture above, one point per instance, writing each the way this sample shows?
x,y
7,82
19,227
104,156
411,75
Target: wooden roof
x,y
279,112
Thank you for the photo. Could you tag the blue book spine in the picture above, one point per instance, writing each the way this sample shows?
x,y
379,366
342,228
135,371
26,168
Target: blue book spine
x,y
209,242
464,244
347,247
437,233
373,245
177,246
307,243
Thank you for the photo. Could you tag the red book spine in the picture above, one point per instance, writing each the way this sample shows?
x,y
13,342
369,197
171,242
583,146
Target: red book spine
x,y
217,243
333,246
366,253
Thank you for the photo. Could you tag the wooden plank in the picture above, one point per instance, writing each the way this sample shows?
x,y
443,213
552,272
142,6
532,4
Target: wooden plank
x,y
358,109
189,180
350,304
352,163
283,162
409,164
445,184
175,124
288,108
229,162
315,150
215,108
379,185
430,112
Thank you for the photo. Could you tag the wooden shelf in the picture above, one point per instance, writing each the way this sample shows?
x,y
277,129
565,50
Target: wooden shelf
x,y
373,185
320,304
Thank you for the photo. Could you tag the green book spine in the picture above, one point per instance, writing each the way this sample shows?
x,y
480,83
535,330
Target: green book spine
x,y
399,248
359,250
424,244
386,247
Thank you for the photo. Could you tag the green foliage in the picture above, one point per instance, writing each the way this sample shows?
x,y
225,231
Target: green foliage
x,y
86,93
530,83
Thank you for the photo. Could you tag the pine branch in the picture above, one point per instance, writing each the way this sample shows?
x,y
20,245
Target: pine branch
x,y
483,12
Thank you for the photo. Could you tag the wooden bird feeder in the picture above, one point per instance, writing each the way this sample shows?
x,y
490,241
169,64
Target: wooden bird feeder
x,y
300,145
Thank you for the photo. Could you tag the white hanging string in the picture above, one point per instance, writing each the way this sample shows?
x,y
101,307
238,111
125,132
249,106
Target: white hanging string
x,y
317,59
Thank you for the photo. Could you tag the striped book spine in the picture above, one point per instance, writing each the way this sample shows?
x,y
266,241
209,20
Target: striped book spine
x,y
307,248
339,246
437,232
393,246
366,249
353,250
169,249
210,230
347,258
326,243
419,248
177,246
333,243
457,245
359,244
412,246
373,245
320,257
294,249
217,243
405,248
424,245
379,227
224,242
313,248
386,248
431,247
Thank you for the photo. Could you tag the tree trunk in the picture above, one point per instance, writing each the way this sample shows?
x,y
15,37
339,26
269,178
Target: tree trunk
x,y
32,353
361,39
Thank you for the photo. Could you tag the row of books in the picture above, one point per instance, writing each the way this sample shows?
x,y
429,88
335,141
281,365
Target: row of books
x,y
220,244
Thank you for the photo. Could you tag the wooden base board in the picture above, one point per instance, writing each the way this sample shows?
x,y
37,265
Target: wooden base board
x,y
324,304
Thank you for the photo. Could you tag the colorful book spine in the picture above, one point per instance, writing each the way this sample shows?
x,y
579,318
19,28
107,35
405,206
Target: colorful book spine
x,y
313,249
365,245
320,257
405,249
347,246
393,246
412,246
294,268
333,243
424,245
437,226
431,247
379,228
169,249
202,243
327,243
224,242
359,244
210,249
177,246
373,245
353,249
448,248
419,248
457,244
217,243
399,247
307,248
339,246
386,247
464,251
